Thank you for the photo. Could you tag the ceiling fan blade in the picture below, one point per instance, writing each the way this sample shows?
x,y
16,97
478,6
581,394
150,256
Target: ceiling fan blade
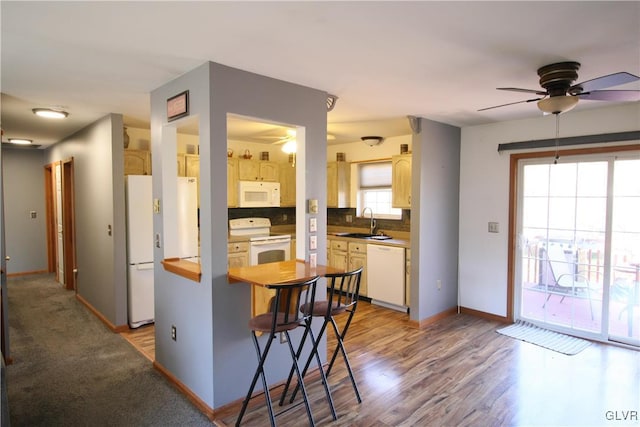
x,y
511,103
611,95
603,82
517,89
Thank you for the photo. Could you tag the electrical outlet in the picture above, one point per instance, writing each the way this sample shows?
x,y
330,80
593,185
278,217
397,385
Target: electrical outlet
x,y
348,218
284,217
439,284
494,227
174,333
283,338
313,243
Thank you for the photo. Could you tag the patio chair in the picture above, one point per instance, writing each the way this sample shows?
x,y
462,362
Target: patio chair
x,y
560,275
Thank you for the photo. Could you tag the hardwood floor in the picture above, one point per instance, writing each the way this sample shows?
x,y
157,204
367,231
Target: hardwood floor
x,y
460,372
143,339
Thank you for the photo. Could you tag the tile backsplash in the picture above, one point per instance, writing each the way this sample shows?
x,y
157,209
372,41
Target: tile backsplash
x,y
338,217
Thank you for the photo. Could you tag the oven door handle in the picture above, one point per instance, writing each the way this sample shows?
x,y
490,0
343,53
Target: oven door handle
x,y
269,242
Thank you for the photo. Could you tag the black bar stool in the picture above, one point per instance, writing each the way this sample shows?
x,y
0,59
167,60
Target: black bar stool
x,y
285,315
342,298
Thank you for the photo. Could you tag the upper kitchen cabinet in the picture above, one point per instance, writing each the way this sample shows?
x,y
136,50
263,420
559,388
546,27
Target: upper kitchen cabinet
x,y
338,184
401,181
232,182
258,170
287,185
137,162
192,165
189,165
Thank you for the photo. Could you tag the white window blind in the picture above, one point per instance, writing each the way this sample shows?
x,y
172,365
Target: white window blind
x,y
375,175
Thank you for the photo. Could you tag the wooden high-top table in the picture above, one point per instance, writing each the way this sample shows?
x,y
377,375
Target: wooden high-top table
x,y
274,272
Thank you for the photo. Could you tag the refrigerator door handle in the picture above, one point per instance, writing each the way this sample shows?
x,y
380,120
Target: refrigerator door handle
x,y
145,266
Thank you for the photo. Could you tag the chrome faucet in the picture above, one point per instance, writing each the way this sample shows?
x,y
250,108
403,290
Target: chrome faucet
x,y
372,225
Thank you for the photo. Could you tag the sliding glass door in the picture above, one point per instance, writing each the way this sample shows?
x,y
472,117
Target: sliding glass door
x,y
578,252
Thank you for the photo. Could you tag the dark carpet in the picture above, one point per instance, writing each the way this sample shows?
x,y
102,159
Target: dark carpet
x,y
70,370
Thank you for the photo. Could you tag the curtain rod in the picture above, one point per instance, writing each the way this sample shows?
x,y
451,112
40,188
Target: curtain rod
x,y
571,140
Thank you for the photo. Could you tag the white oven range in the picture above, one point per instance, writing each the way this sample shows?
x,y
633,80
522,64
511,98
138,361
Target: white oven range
x,y
263,247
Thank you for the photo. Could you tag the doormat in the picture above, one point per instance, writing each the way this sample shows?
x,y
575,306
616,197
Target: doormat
x,y
551,340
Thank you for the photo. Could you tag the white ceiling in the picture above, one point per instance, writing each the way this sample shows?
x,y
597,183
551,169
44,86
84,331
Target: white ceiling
x,y
384,60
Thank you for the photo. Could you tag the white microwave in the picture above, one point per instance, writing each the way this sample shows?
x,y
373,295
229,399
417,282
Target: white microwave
x,y
258,194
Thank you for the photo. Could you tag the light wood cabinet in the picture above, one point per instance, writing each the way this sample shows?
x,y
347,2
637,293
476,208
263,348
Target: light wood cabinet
x,y
287,185
232,182
339,255
407,282
181,164
401,181
258,170
357,259
348,256
338,184
192,165
238,254
192,169
137,162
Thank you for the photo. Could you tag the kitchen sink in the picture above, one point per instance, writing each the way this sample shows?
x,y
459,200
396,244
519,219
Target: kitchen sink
x,y
363,236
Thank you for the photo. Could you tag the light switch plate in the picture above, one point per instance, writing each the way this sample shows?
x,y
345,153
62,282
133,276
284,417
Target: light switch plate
x,y
494,227
313,225
313,260
313,243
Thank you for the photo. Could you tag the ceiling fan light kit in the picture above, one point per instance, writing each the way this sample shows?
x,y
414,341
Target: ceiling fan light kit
x,y
372,140
50,113
557,104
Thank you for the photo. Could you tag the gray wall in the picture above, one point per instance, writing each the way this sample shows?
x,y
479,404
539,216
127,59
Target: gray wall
x,y
213,354
434,215
98,155
24,191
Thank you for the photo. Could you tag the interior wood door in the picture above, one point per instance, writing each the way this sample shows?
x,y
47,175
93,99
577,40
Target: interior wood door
x,y
68,221
59,226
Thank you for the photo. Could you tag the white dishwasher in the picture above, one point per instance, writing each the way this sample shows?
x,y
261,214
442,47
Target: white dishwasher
x,y
385,275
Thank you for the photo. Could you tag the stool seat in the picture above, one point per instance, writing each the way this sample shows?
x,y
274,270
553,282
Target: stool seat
x,y
264,322
319,308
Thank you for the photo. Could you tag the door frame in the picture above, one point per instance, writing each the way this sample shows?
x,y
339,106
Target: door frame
x,y
512,242
68,221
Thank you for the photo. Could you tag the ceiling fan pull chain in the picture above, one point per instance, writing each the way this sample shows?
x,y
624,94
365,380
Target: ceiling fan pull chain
x,y
555,162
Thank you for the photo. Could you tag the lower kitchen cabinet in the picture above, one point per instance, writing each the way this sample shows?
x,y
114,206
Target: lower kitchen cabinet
x,y
357,259
407,282
339,255
238,254
348,256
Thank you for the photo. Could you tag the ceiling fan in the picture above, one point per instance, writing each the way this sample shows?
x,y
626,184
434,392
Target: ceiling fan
x,y
560,94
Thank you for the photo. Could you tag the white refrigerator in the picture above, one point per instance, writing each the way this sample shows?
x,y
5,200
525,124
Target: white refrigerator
x,y
140,241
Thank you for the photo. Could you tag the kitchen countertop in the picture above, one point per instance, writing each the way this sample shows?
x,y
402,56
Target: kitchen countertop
x,y
399,239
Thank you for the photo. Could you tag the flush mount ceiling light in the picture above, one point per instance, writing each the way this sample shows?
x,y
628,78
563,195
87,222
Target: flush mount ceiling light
x,y
20,141
49,113
557,104
372,140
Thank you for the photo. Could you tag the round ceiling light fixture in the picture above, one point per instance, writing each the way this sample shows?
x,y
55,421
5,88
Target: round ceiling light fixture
x,y
20,141
50,113
372,140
